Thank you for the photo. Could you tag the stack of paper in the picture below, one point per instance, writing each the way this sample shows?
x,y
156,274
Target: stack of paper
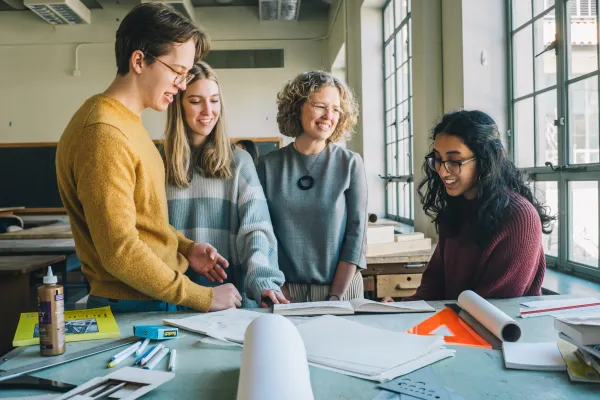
x,y
228,325
533,356
334,343
370,353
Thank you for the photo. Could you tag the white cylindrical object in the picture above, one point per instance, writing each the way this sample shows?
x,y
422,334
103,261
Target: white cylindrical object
x,y
156,359
141,349
154,351
274,364
501,325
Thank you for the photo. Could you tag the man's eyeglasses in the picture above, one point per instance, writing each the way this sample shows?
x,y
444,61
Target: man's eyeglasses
x,y
179,77
453,167
321,109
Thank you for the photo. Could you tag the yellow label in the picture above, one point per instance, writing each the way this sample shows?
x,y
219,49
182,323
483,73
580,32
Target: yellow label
x,y
169,333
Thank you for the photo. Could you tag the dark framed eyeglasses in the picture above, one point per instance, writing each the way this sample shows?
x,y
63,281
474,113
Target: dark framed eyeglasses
x,y
179,77
453,167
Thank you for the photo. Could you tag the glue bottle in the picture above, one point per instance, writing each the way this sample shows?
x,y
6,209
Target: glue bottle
x,y
51,316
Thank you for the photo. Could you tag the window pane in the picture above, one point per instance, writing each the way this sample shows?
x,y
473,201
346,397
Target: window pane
x,y
405,199
582,52
521,12
547,132
545,64
389,59
402,83
390,92
390,117
412,203
583,222
405,157
523,62
388,21
391,199
583,121
400,10
541,5
524,133
547,194
402,46
391,158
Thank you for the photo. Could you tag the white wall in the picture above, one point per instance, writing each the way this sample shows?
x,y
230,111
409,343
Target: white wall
x,y
39,93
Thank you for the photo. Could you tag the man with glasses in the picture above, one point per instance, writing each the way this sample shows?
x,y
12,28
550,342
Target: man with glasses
x,y
112,182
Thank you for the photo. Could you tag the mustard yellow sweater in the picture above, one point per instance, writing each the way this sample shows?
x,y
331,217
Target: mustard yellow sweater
x,y
112,183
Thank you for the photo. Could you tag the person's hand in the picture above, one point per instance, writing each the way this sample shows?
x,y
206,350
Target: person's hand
x,y
224,297
205,260
334,297
387,300
275,296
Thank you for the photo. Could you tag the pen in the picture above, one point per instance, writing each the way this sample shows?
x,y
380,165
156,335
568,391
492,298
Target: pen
x,y
156,359
172,360
155,350
127,351
121,356
139,360
141,349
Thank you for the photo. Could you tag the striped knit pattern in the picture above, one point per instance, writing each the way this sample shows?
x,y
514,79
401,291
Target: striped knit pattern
x,y
304,292
232,215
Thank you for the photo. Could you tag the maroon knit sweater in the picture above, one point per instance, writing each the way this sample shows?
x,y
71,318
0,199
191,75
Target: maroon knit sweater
x,y
512,264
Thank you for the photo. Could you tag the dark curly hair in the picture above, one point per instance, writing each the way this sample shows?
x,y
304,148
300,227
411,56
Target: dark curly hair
x,y
496,174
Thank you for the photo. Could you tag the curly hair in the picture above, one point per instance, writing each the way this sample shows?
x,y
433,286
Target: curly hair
x,y
296,92
496,174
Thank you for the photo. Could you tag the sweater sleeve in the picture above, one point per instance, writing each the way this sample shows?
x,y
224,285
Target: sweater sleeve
x,y
105,175
513,261
355,237
184,245
433,285
255,242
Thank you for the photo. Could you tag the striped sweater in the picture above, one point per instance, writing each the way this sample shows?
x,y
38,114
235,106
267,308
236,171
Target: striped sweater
x,y
232,215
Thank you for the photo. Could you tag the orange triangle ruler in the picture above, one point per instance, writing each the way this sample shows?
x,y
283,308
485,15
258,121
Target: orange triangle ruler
x,y
455,331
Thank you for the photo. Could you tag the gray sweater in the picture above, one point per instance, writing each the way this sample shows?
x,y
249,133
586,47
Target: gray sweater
x,y
316,228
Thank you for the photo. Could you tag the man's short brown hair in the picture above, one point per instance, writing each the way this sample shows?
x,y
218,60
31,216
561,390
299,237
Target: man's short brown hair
x,y
152,28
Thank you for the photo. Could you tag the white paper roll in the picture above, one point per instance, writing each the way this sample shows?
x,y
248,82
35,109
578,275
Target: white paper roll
x,y
274,365
501,325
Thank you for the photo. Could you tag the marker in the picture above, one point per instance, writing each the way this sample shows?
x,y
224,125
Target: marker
x,y
155,350
128,351
172,360
156,359
141,349
122,356
139,360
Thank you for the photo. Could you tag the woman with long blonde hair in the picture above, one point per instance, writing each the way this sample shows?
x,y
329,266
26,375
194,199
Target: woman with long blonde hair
x,y
214,194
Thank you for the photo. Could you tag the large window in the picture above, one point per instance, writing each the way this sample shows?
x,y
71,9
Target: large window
x,y
398,110
555,120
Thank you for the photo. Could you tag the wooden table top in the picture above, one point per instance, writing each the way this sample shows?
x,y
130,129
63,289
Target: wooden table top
x,y
27,264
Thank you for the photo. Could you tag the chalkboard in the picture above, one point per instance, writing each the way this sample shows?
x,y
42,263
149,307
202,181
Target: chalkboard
x,y
28,177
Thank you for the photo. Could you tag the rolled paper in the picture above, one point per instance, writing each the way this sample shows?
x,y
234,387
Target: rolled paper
x,y
274,364
501,325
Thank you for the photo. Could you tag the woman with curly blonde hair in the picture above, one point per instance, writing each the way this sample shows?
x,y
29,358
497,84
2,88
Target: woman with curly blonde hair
x,y
214,194
317,191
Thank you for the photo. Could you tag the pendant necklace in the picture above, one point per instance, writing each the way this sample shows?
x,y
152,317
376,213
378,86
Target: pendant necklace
x,y
307,182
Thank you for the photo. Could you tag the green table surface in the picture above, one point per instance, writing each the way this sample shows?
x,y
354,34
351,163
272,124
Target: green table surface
x,y
208,371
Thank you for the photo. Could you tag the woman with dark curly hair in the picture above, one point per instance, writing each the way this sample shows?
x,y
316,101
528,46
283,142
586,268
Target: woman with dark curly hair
x,y
490,225
317,191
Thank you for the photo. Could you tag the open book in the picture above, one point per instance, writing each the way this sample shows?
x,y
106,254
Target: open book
x,y
350,307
